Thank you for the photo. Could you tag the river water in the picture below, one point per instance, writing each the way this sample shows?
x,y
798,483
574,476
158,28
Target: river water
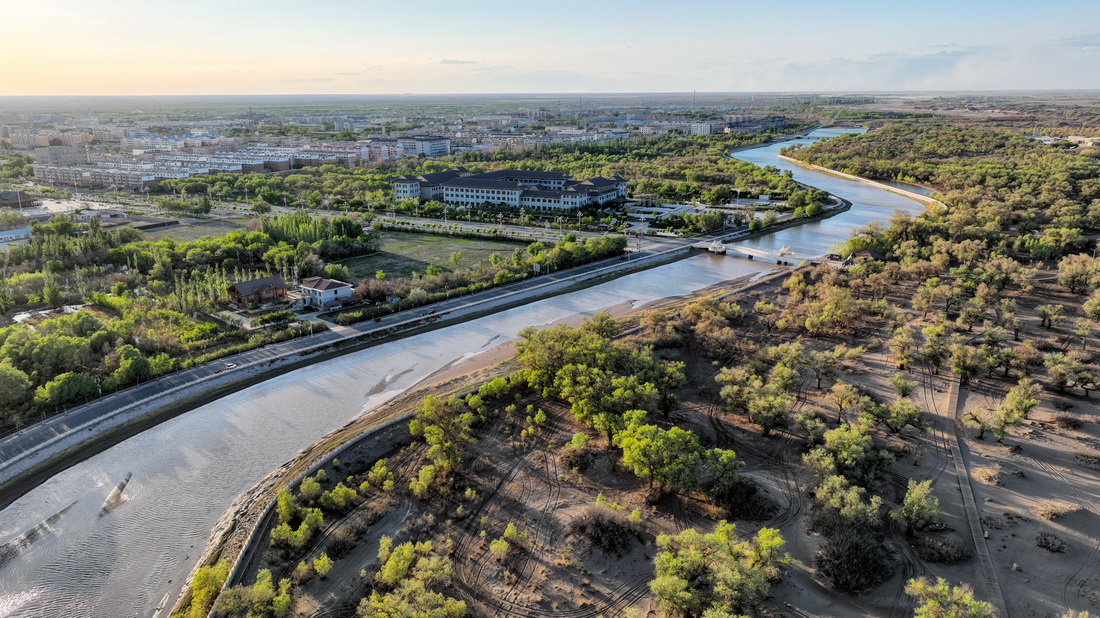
x,y
62,555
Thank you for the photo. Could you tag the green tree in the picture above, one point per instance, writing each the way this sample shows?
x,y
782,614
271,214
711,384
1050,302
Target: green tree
x,y
1050,315
704,573
920,507
15,391
770,409
322,565
671,457
205,587
132,367
66,390
942,600
823,365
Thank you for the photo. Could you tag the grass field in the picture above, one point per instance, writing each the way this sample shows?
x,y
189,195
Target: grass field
x,y
404,252
194,231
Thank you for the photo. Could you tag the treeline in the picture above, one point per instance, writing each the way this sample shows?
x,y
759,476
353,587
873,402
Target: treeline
x,y
436,284
1004,190
50,364
680,168
307,187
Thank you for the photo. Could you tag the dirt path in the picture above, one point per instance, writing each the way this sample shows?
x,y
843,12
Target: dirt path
x,y
981,545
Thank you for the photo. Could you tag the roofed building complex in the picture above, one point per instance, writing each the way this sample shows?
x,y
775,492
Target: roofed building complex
x,y
543,191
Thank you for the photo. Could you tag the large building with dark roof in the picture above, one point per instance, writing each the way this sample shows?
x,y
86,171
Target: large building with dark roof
x,y
541,191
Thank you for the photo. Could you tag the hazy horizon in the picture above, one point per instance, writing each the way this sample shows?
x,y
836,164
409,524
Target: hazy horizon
x,y
127,47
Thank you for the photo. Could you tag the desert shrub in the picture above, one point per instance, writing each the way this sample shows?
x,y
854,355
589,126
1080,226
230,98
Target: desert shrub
x,y
1050,542
344,539
1051,509
499,548
853,560
1066,421
944,550
988,476
605,528
744,500
576,455
302,573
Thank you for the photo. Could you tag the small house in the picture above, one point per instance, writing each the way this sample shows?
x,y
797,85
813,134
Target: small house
x,y
327,293
263,290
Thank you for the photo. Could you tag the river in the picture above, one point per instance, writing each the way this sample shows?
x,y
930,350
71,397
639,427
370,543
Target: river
x,y
187,470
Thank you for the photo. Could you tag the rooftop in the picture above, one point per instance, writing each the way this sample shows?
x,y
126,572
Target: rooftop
x,y
247,288
320,284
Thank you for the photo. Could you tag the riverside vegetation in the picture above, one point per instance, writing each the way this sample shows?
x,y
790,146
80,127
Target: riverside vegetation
x,y
596,474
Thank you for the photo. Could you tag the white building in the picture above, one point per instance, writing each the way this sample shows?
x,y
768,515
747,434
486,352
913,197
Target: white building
x,y
701,128
540,191
427,145
326,293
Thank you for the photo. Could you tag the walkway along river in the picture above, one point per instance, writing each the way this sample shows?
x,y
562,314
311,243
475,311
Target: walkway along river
x,y
84,560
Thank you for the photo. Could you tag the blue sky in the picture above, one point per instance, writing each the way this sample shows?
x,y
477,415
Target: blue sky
x,y
337,46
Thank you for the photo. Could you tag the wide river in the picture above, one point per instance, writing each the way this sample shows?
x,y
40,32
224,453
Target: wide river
x,y
186,471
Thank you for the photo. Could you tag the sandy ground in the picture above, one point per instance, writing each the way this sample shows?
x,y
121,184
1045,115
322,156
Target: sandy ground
x,y
1052,457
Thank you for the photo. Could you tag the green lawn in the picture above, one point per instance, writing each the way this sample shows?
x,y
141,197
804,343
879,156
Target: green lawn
x,y
405,252
212,227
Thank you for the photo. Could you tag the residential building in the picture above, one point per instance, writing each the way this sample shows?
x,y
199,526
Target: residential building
x,y
427,145
327,293
60,155
263,290
701,128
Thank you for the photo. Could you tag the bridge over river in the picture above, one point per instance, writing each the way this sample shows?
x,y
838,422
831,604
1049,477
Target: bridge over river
x,y
784,255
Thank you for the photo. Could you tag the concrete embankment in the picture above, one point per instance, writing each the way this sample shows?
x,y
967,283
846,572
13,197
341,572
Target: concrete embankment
x,y
25,471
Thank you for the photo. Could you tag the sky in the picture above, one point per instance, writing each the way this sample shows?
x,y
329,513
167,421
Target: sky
x,y
136,47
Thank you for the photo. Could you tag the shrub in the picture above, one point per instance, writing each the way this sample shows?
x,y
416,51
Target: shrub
x,y
943,550
853,560
1050,542
302,573
744,500
499,548
988,476
605,528
1051,510
343,540
576,455
322,565
339,500
1066,421
208,581
514,536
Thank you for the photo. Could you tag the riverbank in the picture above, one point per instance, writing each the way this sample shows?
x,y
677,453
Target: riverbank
x,y
241,534
924,199
25,472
